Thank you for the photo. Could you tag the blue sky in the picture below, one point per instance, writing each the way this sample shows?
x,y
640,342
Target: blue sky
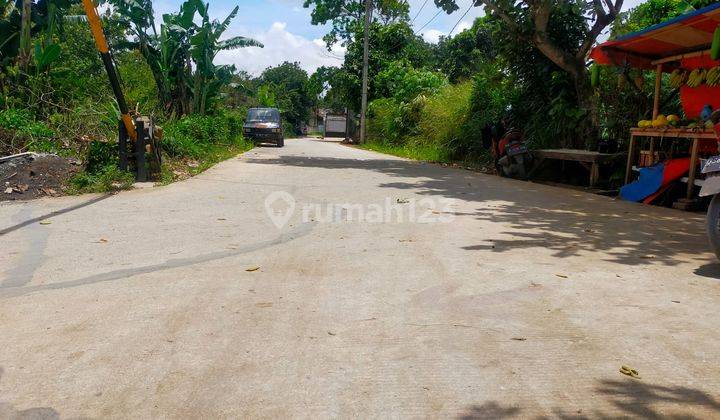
x,y
284,27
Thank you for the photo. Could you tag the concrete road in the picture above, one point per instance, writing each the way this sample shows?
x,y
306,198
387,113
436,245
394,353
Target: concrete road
x,y
423,292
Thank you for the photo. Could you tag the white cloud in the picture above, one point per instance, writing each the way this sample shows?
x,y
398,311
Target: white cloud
x,y
464,25
282,45
432,35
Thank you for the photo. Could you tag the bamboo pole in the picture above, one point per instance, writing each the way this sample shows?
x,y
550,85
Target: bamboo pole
x,y
658,85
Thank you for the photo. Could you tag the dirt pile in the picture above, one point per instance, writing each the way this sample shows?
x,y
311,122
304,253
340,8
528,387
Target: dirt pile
x,y
35,175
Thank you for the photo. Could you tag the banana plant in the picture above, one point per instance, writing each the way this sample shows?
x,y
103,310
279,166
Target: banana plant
x,y
7,31
175,60
205,45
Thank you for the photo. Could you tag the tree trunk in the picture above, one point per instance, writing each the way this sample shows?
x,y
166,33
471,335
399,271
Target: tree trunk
x,y
25,35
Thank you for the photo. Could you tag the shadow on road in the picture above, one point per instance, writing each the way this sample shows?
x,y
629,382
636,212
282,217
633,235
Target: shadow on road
x,y
24,223
564,221
7,411
711,270
628,399
286,236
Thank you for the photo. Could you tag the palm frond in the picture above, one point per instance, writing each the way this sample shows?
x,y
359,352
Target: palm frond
x,y
238,42
226,23
6,40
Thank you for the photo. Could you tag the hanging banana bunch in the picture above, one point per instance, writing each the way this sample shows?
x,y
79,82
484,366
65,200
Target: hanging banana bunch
x,y
696,78
713,77
678,78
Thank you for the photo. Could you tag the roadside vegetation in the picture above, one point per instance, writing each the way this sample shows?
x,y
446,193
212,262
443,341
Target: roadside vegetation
x,y
445,102
440,102
55,96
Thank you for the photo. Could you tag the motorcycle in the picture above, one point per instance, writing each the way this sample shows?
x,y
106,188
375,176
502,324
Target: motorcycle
x,y
711,187
512,157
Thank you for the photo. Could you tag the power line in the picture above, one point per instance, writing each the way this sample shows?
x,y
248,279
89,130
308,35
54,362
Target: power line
x,y
418,13
429,21
472,3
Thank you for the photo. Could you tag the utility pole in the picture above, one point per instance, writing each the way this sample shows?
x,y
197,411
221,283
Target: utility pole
x,y
366,53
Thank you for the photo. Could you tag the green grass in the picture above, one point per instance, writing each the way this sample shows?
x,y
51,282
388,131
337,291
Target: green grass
x,y
427,153
421,152
108,179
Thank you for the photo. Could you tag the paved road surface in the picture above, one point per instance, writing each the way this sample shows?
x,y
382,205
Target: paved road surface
x,y
498,299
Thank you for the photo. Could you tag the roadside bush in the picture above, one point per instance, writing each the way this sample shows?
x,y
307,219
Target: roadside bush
x,y
23,122
107,179
100,155
383,117
20,132
445,126
191,135
443,116
404,83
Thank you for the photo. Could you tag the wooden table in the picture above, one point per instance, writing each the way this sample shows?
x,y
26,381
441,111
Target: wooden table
x,y
670,133
590,160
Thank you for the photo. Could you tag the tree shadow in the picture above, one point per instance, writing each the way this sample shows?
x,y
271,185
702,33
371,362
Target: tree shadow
x,y
490,410
711,270
7,411
639,399
618,399
567,222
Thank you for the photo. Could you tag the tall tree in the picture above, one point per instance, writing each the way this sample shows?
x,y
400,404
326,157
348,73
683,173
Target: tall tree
x,y
346,16
290,85
530,21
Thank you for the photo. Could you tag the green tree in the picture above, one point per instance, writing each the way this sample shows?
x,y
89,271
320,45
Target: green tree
x,y
402,82
652,12
462,56
290,85
564,33
346,16
388,43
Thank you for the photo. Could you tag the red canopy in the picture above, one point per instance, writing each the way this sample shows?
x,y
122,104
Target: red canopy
x,y
690,32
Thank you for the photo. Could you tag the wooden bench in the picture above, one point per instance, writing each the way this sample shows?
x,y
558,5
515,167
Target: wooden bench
x,y
589,160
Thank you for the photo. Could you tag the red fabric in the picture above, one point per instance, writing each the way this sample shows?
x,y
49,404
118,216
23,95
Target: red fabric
x,y
606,56
707,147
703,61
694,99
674,169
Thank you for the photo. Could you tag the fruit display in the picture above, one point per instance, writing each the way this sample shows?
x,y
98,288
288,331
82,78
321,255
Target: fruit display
x,y
660,121
678,78
672,121
696,78
713,77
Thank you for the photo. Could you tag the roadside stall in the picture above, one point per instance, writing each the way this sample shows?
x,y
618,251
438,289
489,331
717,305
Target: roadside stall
x,y
687,48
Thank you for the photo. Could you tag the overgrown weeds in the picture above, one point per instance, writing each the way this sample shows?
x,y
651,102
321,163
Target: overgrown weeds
x,y
108,179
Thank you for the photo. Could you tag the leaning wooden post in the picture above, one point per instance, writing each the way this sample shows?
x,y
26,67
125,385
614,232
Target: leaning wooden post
x,y
658,85
693,168
656,107
628,168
